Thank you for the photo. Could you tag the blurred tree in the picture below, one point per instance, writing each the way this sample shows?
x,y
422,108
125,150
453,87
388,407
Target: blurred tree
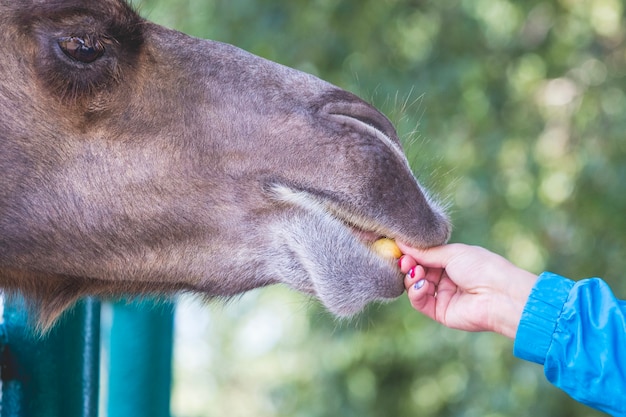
x,y
514,113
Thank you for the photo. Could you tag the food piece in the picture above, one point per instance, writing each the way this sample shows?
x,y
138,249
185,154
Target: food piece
x,y
386,248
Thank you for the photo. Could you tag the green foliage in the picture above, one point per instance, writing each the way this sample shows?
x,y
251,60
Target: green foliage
x,y
514,113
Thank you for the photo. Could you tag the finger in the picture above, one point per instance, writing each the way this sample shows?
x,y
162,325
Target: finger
x,y
421,297
446,284
413,275
405,263
446,293
434,275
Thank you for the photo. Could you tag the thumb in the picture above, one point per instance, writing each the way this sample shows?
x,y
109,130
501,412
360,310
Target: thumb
x,y
435,257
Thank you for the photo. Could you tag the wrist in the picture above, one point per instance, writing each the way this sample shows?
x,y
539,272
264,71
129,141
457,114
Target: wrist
x,y
509,314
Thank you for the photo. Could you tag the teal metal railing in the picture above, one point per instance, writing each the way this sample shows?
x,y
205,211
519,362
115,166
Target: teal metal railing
x,y
140,368
57,375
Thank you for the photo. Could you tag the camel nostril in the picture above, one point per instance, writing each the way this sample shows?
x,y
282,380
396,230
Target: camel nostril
x,y
342,103
361,117
370,122
364,113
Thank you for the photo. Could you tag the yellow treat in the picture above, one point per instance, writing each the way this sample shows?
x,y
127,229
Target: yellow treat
x,y
387,248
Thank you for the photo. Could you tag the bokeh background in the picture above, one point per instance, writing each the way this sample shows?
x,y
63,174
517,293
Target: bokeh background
x,y
513,113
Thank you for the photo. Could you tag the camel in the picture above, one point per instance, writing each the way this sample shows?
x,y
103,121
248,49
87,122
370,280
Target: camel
x,y
138,160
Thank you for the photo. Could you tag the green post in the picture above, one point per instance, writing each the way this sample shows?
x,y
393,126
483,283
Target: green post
x,y
56,375
141,359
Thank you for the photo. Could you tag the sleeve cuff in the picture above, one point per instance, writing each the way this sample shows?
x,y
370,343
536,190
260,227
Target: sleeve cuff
x,y
540,315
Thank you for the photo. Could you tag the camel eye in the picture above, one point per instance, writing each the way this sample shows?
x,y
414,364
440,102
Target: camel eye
x,y
84,50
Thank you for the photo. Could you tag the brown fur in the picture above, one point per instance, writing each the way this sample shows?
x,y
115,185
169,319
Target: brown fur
x,y
172,163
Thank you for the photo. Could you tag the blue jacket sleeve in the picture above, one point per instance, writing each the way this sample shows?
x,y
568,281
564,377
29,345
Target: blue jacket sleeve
x,y
577,330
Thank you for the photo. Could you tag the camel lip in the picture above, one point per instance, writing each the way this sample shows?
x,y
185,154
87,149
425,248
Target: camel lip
x,y
363,230
330,252
365,236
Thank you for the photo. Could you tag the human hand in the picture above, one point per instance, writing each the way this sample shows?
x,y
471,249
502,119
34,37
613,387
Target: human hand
x,y
466,287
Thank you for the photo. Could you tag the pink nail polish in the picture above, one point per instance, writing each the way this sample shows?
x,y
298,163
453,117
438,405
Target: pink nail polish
x,y
412,272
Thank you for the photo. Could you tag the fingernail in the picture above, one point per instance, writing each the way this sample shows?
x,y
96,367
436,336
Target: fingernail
x,y
411,272
419,284
400,262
